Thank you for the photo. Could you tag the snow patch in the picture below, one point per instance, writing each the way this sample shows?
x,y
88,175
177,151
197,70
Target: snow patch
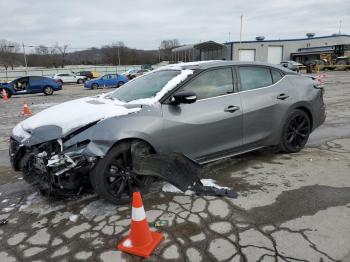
x,y
212,182
206,182
168,87
72,114
73,218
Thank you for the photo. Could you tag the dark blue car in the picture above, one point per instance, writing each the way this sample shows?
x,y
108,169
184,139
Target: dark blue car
x,y
30,85
106,81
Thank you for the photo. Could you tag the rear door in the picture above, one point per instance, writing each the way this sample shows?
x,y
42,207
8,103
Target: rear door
x,y
210,127
113,80
35,84
259,101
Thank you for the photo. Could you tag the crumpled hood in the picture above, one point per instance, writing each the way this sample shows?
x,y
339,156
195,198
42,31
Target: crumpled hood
x,y
62,119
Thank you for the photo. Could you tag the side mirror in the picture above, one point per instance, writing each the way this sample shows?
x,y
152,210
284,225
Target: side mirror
x,y
183,97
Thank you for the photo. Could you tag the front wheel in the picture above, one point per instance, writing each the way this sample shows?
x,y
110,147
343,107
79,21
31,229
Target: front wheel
x,y
48,90
94,86
295,132
112,177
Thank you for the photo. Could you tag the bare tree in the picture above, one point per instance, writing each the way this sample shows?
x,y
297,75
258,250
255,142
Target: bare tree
x,y
9,53
165,48
63,51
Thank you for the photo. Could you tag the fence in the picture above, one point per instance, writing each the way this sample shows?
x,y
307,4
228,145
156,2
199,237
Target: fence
x,y
8,75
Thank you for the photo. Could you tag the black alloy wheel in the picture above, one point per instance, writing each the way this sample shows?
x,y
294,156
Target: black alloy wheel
x,y
112,177
296,131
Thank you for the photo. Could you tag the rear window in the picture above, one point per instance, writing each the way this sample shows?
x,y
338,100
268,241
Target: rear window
x,y
254,77
276,75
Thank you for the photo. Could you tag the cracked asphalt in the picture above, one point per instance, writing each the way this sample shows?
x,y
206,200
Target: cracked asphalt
x,y
292,207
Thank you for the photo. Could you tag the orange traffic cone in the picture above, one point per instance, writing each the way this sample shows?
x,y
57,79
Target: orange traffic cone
x,y
141,241
26,111
4,95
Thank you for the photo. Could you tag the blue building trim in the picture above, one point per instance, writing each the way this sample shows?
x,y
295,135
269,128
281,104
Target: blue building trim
x,y
287,40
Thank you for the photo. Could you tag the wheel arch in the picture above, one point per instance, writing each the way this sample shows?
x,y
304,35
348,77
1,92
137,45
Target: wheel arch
x,y
131,140
308,112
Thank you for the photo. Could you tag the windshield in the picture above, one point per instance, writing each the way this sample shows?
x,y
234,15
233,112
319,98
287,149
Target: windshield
x,y
146,86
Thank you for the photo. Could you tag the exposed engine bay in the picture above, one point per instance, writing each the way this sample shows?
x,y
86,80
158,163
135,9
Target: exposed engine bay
x,y
58,173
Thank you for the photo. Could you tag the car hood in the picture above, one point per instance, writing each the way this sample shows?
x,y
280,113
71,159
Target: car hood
x,y
63,119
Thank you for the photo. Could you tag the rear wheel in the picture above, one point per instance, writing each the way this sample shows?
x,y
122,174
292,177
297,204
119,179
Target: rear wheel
x,y
48,90
120,84
295,132
112,177
80,81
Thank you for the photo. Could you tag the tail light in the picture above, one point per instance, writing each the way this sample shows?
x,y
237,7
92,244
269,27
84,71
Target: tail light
x,y
319,83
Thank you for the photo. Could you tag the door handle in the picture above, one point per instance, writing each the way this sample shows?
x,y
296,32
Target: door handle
x,y
282,96
231,109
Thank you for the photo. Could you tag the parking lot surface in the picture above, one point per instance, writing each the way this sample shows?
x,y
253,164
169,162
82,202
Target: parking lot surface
x,y
292,207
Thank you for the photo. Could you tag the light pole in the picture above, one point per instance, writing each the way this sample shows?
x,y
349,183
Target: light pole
x,y
25,58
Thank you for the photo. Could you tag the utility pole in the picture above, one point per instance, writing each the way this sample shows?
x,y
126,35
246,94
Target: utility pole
x,y
118,55
240,32
159,54
25,58
340,27
229,36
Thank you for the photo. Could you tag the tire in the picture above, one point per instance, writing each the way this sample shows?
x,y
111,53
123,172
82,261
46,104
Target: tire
x,y
296,131
7,92
48,90
112,178
341,65
120,84
60,81
80,81
94,86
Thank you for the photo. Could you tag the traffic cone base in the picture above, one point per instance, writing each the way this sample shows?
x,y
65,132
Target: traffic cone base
x,y
143,251
141,241
26,111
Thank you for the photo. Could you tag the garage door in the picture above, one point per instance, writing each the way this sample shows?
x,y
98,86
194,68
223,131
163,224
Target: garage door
x,y
274,54
247,55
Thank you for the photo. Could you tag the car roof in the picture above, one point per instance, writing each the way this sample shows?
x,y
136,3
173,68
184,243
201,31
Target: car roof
x,y
202,65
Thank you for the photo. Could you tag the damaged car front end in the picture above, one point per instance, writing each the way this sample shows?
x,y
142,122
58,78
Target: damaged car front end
x,y
55,171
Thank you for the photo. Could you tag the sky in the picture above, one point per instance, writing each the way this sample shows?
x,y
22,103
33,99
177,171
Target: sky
x,y
143,24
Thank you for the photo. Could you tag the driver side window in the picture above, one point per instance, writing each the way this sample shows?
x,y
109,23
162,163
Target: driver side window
x,y
212,83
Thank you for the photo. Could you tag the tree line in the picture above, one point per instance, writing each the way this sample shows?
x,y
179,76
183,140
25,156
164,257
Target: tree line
x,y
11,55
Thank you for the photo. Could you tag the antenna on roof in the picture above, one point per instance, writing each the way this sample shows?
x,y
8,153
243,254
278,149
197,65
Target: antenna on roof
x,y
339,27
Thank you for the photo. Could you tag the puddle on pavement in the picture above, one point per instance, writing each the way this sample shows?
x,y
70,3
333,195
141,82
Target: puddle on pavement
x,y
300,202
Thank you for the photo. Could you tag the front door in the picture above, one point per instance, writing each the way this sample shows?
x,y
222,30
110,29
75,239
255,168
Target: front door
x,y
209,127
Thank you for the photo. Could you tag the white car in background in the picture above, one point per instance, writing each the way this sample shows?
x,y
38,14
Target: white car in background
x,y
65,78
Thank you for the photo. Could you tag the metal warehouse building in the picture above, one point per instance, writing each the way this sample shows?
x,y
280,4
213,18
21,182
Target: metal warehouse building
x,y
272,51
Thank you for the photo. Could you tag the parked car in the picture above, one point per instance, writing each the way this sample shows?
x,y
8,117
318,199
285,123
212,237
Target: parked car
x,y
106,81
205,111
147,67
292,65
30,85
66,78
132,73
87,74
